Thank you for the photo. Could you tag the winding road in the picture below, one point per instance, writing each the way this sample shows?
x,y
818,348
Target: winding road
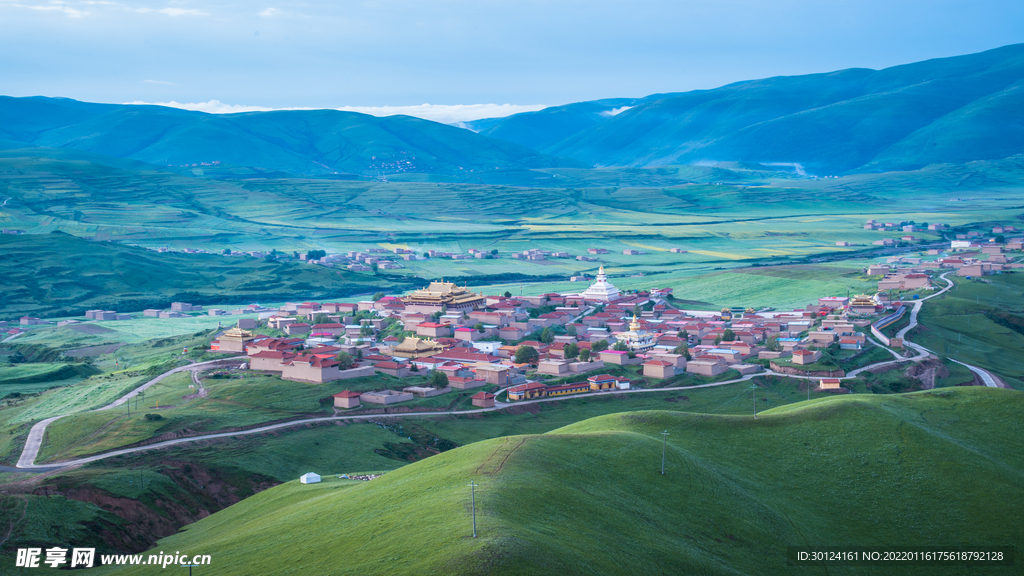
x,y
35,438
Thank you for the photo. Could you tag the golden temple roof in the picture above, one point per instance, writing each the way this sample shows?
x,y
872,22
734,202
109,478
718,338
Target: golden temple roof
x,y
237,334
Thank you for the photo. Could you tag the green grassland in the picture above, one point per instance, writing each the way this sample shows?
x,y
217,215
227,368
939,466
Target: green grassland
x,y
749,218
108,376
393,440
63,275
589,498
978,322
754,217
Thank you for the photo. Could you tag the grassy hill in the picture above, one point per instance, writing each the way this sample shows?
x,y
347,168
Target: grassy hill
x,y
314,142
948,110
939,467
546,127
62,275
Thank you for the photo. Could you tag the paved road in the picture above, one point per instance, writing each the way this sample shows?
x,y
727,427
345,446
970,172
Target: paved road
x,y
36,434
28,455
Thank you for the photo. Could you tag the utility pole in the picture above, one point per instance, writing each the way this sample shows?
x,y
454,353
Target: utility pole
x,y
754,391
472,484
664,446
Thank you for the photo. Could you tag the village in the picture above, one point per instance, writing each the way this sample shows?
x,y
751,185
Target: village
x,y
554,345
446,337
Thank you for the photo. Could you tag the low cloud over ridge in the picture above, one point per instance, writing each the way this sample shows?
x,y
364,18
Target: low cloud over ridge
x,y
444,113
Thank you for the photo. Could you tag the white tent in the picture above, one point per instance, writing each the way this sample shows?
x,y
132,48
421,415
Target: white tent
x,y
309,478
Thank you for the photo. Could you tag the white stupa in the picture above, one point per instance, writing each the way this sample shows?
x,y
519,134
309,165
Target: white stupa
x,y
601,290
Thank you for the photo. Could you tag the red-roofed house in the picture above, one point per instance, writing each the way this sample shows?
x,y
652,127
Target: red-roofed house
x,y
659,369
433,330
310,369
483,400
269,360
526,391
398,370
460,355
574,388
603,382
468,334
333,329
297,328
806,356
346,399
849,344
278,344
830,383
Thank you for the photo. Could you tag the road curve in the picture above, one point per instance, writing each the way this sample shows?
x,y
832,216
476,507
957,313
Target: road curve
x,y
31,450
36,434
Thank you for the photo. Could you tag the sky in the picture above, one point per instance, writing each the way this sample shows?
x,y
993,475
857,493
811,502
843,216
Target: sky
x,y
455,60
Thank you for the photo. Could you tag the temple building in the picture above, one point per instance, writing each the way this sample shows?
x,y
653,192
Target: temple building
x,y
233,340
413,347
863,304
637,339
601,290
440,296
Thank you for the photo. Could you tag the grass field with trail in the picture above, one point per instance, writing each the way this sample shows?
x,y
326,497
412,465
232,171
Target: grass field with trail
x,y
733,496
980,322
288,452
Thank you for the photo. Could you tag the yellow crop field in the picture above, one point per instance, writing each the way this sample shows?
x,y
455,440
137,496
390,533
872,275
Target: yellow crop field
x,y
718,254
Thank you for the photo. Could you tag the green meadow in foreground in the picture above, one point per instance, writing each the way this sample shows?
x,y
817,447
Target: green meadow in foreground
x,y
981,322
940,467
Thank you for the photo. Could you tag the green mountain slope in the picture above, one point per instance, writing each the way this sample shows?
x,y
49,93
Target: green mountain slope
x,y
546,127
313,142
944,110
931,468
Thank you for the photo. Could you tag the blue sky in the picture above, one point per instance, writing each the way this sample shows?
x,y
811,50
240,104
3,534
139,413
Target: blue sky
x,y
476,53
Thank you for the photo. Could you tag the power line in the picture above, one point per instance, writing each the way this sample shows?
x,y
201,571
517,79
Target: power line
x,y
664,446
472,484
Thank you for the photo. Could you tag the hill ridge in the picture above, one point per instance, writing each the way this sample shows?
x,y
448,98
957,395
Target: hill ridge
x,y
589,497
849,120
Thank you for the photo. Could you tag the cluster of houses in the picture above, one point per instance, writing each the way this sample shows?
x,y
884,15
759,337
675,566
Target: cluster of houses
x,y
474,340
911,272
902,227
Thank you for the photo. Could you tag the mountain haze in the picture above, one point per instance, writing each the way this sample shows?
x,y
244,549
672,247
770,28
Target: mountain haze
x,y
947,110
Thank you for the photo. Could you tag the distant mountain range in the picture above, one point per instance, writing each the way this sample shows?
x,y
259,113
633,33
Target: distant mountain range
x,y
306,142
948,110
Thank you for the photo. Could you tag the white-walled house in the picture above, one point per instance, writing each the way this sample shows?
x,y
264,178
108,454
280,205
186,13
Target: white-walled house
x,y
309,478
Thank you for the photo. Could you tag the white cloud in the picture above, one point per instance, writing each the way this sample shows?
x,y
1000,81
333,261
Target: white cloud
x,y
182,12
615,111
173,11
447,114
267,12
53,6
159,82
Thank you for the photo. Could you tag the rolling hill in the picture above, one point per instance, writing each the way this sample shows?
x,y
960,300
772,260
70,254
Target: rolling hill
x,y
925,469
62,275
948,110
308,142
544,128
